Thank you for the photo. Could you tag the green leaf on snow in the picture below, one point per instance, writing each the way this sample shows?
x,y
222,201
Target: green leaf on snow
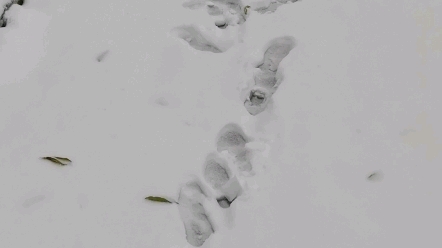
x,y
158,199
63,160
58,160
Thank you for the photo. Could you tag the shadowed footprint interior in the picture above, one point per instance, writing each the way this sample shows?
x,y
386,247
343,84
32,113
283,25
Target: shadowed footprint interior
x,y
218,175
233,139
216,171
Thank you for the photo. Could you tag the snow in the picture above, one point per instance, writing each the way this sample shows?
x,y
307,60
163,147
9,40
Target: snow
x,y
143,118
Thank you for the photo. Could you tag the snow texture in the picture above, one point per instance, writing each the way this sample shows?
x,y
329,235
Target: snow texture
x,y
347,152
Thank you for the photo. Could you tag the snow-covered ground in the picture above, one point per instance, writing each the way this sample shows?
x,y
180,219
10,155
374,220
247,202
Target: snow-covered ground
x,y
360,95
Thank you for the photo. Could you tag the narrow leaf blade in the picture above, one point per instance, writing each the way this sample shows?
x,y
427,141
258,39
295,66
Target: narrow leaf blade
x,y
53,160
63,160
157,199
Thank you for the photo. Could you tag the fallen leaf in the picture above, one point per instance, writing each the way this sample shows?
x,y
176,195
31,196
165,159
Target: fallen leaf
x,y
58,160
64,160
159,199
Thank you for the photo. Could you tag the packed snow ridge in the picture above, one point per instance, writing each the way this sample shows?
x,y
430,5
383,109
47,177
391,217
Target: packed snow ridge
x,y
6,5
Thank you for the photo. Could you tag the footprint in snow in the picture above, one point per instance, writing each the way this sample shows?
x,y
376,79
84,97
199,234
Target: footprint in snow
x,y
232,138
267,78
195,38
197,224
227,12
218,175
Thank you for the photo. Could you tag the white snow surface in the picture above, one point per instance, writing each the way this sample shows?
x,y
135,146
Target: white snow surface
x,y
143,119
